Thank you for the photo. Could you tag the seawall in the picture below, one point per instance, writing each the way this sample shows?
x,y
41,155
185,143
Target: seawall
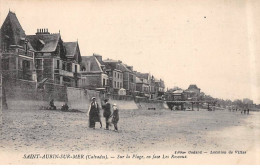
x,y
24,95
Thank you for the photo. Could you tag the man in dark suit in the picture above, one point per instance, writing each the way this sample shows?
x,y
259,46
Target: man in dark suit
x,y
107,112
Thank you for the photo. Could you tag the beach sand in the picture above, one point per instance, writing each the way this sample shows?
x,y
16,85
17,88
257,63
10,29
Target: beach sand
x,y
141,132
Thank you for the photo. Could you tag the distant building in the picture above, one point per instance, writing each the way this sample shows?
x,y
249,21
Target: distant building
x,y
175,94
248,101
129,78
142,86
115,75
159,87
92,73
143,83
193,92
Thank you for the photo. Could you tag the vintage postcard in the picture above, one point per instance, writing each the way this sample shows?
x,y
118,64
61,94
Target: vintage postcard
x,y
142,82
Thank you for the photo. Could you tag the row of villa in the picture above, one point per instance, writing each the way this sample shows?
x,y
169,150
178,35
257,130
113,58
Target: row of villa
x,y
44,56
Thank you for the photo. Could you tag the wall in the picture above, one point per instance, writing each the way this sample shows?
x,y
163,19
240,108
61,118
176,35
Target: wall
x,y
145,103
92,81
48,69
80,98
21,94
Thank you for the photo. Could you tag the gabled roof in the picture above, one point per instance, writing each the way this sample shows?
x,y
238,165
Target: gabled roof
x,y
50,42
11,24
138,80
71,48
123,68
91,64
142,75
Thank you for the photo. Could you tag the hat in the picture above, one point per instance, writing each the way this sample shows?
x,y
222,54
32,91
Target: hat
x,y
114,104
93,98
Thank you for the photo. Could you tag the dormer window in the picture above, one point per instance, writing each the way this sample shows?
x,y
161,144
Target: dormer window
x,y
41,41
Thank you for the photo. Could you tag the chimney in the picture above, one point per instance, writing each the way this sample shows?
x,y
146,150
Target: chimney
x,y
42,31
130,67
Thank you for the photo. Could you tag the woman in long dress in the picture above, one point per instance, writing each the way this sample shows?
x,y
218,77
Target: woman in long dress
x,y
94,114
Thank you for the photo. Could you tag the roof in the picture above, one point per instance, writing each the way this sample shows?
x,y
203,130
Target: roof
x,y
138,80
142,75
91,64
71,48
110,61
50,42
123,68
17,30
193,87
178,92
156,80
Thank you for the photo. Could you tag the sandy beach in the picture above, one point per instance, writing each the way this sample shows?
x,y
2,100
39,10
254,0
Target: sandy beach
x,y
140,132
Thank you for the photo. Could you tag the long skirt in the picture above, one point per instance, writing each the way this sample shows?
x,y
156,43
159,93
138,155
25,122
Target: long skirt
x,y
93,118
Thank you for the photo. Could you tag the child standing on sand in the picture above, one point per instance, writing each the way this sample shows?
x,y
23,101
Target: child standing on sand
x,y
115,116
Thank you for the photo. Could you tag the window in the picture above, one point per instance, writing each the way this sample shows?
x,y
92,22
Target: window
x,y
104,82
69,67
115,74
4,46
5,64
118,75
58,64
63,66
38,64
25,65
115,84
131,78
76,69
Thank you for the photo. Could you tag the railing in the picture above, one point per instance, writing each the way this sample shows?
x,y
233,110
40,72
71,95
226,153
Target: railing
x,y
23,52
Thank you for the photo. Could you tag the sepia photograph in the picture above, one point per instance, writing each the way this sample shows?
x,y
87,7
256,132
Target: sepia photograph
x,y
130,82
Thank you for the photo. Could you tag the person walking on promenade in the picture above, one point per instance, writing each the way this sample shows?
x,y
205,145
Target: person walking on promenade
x,y
107,112
248,111
244,110
115,116
94,114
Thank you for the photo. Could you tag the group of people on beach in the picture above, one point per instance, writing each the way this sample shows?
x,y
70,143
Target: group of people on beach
x,y
246,111
243,111
110,113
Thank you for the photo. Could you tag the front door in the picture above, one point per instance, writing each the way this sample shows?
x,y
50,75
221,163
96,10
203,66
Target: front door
x,y
26,69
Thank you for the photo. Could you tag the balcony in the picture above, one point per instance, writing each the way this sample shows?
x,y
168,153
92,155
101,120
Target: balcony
x,y
17,52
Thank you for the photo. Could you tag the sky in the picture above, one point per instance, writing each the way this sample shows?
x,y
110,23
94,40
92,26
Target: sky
x,y
211,43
